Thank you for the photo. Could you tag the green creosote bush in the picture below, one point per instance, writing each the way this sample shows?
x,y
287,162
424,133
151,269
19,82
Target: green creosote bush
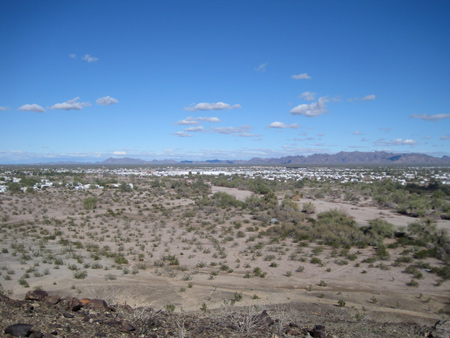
x,y
80,274
341,303
90,203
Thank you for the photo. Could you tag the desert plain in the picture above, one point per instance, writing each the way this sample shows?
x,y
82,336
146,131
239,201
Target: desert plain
x,y
188,244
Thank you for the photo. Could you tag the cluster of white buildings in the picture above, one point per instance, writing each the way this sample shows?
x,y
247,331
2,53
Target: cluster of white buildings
x,y
419,175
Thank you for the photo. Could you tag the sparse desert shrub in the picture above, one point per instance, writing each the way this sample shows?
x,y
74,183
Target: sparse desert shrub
x,y
80,274
308,208
90,203
120,259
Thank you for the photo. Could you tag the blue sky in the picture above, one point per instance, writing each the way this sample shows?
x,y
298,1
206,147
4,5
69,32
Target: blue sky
x,y
191,80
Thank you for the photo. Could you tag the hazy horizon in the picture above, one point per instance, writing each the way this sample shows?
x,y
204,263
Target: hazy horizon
x,y
227,80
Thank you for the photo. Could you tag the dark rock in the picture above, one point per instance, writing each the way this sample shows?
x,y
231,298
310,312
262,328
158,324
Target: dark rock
x,y
19,330
37,334
264,319
68,315
96,304
74,304
127,327
54,299
38,295
319,331
441,329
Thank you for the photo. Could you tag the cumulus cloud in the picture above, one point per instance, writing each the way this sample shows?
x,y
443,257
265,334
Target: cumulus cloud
x,y
193,121
303,76
311,110
212,106
71,105
231,130
368,97
432,118
89,58
120,153
35,108
107,101
356,132
281,125
4,108
72,56
194,129
396,142
262,67
182,134
445,137
308,96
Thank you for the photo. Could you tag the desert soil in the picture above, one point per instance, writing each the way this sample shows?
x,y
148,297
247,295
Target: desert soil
x,y
161,230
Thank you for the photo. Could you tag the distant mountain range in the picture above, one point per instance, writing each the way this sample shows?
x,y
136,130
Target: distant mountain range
x,y
341,158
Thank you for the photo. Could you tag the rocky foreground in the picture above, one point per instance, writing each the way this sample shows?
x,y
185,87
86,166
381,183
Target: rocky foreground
x,y
44,315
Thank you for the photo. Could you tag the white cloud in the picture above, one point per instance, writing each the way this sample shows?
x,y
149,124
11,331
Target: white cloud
x,y
396,142
282,125
445,137
71,104
212,106
231,130
365,98
308,96
4,108
182,134
187,122
208,119
432,118
89,58
303,76
262,67
248,135
356,132
120,153
73,56
35,108
311,110
193,121
106,101
194,129
368,97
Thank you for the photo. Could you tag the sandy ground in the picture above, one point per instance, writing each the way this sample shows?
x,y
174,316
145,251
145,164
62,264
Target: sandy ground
x,y
159,227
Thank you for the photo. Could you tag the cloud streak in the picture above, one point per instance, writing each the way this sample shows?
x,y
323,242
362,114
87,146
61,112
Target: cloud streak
x,y
192,121
194,129
182,134
89,58
308,96
303,76
365,98
281,125
311,110
4,108
35,108
231,130
212,106
262,67
71,105
107,101
432,118
396,142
